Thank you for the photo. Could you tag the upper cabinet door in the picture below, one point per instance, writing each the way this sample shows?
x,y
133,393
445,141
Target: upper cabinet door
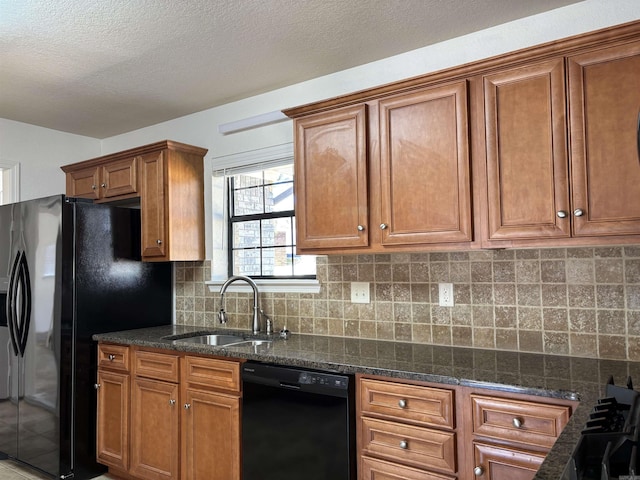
x,y
152,206
604,106
424,166
525,128
331,179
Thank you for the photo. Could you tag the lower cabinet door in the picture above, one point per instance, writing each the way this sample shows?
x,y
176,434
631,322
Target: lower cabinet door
x,y
113,419
155,433
374,469
494,463
210,436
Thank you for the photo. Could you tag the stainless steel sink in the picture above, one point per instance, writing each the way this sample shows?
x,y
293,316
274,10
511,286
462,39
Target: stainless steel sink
x,y
212,339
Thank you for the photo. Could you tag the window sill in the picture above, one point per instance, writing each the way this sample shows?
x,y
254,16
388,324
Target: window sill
x,y
269,286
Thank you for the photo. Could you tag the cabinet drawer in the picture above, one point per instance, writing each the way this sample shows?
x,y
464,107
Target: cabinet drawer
x,y
425,405
417,446
161,366
210,372
113,357
520,421
508,463
374,469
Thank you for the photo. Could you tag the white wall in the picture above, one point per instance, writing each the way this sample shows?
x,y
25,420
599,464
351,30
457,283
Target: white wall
x,y
40,153
201,128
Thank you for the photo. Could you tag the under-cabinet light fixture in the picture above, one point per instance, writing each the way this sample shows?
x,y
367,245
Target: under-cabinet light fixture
x,y
252,122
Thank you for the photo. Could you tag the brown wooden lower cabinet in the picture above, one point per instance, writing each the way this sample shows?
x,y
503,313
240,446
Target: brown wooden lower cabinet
x,y
113,419
211,436
416,430
155,434
410,445
374,469
176,417
496,463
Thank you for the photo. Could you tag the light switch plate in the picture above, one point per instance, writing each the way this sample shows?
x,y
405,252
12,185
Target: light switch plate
x,y
360,292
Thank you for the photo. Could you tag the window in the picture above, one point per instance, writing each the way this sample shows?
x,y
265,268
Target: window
x,y
262,225
253,222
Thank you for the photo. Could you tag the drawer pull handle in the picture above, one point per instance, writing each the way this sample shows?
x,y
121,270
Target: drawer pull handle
x,y
112,357
517,422
478,471
404,444
402,403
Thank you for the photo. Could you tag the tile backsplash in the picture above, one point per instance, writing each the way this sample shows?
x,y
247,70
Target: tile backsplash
x,y
567,301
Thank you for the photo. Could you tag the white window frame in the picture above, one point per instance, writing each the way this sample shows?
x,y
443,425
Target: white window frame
x,y
10,176
278,154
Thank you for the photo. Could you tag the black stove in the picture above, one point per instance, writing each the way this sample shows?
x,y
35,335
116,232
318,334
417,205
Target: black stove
x,y
608,446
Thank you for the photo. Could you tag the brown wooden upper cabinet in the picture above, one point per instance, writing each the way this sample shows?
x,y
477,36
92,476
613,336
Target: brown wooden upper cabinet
x,y
387,173
425,195
604,119
331,179
168,179
570,179
116,180
537,147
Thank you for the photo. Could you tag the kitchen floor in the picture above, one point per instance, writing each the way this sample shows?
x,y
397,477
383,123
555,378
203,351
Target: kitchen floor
x,y
10,470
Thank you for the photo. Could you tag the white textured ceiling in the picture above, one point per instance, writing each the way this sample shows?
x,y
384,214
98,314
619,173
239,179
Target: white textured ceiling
x,y
104,67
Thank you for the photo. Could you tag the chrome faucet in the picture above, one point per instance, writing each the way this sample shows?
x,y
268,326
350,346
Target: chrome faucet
x,y
222,316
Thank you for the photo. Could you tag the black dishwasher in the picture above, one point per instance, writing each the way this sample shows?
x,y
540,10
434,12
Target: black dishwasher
x,y
297,424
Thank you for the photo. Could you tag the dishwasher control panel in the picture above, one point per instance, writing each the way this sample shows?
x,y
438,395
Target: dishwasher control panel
x,y
324,379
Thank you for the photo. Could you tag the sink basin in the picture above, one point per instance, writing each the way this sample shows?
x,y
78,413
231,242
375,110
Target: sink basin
x,y
218,339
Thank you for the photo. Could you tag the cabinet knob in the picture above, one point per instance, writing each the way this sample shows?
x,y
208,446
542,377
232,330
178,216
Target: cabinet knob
x,y
93,187
517,422
383,226
402,403
478,471
96,386
172,402
112,357
561,214
361,228
187,406
159,242
578,212
404,444
104,185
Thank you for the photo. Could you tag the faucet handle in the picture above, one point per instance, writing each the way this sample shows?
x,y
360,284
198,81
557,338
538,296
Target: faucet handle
x,y
268,323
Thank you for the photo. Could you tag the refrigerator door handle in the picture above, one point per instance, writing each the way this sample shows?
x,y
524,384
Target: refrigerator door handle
x,y
25,310
11,305
19,316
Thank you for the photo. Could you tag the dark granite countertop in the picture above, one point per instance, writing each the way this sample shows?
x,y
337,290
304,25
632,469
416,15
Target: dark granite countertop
x,y
571,378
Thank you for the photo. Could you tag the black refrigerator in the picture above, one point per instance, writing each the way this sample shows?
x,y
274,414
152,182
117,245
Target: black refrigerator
x,y
68,269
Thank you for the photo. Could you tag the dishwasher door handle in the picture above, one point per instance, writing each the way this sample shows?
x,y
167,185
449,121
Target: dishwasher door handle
x,y
290,386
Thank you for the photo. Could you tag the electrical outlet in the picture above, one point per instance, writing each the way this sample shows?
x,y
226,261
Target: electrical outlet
x,y
360,292
446,294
